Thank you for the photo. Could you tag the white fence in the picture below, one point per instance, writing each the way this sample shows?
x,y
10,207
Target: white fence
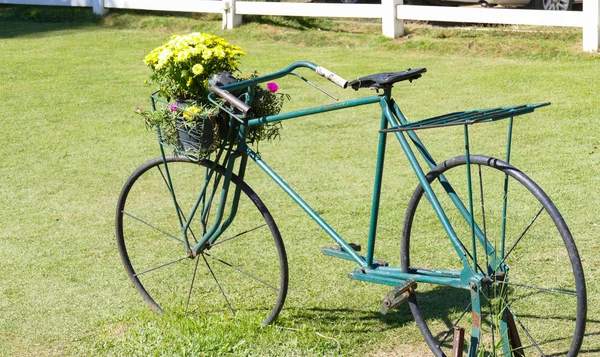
x,y
391,12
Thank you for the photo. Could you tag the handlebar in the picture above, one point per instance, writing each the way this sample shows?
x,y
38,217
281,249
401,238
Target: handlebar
x,y
223,91
324,72
231,99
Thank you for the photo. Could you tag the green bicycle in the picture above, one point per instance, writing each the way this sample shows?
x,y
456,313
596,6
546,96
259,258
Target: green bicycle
x,y
195,238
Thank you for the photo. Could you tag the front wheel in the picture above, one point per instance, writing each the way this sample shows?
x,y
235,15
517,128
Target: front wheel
x,y
533,301
244,273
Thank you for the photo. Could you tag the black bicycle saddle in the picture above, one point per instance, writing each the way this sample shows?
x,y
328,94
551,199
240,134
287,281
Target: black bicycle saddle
x,y
386,79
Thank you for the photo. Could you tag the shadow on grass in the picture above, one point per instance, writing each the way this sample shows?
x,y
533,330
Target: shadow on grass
x,y
592,334
13,29
350,318
370,318
441,303
295,23
40,19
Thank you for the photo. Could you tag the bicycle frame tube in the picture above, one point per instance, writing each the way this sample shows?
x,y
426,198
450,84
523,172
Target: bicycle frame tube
x,y
170,187
234,204
221,208
316,110
385,106
312,214
376,192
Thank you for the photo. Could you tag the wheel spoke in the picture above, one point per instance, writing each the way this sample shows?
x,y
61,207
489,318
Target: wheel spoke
x,y
179,210
153,227
522,326
551,290
219,285
241,271
455,324
160,266
238,235
492,314
522,235
187,303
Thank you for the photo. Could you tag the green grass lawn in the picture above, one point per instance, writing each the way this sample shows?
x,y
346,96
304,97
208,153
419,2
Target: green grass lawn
x,y
70,138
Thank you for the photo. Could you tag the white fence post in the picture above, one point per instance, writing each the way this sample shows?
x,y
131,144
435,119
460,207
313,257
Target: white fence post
x,y
98,7
591,26
230,18
390,25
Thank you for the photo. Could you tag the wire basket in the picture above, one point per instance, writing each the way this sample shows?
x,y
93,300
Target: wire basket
x,y
193,135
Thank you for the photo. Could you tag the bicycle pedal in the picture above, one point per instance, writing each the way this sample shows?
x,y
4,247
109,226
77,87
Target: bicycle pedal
x,y
397,296
355,246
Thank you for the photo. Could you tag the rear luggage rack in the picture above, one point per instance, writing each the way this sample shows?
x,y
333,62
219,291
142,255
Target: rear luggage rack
x,y
468,117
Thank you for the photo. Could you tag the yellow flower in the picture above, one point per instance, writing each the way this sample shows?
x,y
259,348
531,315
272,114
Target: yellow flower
x,y
219,52
182,56
163,58
190,112
197,69
207,54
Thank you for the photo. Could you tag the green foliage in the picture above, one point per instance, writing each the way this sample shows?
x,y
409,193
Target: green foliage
x,y
264,103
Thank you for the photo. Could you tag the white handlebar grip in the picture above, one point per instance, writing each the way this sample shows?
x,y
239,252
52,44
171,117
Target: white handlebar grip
x,y
324,72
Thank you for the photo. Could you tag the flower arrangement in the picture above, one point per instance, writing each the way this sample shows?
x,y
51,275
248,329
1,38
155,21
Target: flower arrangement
x,y
182,68
266,102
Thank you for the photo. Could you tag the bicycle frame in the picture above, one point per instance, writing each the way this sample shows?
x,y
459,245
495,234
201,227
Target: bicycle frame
x,y
369,269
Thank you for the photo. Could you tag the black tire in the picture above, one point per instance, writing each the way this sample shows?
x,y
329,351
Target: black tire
x,y
244,273
551,5
544,257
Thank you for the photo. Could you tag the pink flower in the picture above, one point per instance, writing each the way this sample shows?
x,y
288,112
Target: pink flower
x,y
272,87
139,109
173,108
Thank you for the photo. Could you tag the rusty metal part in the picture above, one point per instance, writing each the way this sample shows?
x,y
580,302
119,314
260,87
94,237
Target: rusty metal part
x,y
397,296
459,341
476,319
513,335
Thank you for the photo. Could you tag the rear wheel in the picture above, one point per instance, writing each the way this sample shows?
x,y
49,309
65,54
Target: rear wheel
x,y
535,304
243,274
